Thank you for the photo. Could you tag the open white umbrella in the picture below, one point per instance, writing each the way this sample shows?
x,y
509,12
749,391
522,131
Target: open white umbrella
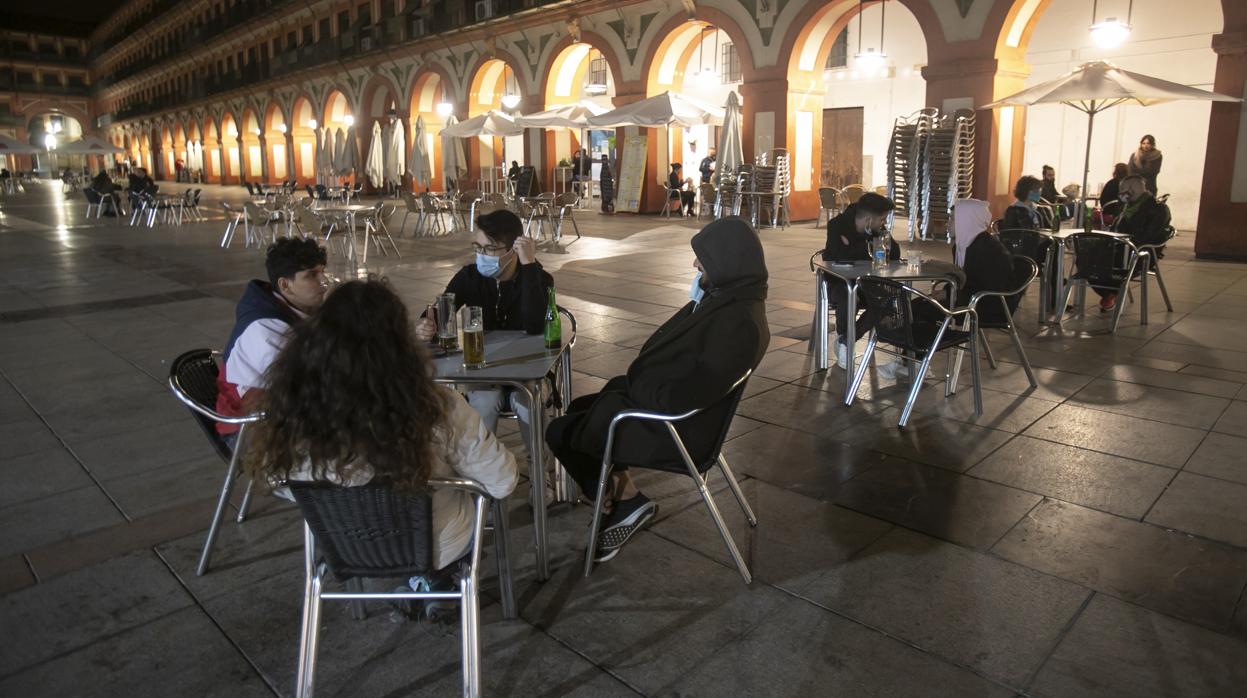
x,y
491,123
374,165
454,164
1093,87
12,146
730,155
666,109
421,170
573,116
89,145
395,147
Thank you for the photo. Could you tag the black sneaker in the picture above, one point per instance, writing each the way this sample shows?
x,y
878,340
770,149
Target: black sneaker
x,y
628,517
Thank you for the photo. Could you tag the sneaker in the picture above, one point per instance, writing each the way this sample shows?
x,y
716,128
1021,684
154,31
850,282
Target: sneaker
x,y
1108,302
628,517
842,355
888,370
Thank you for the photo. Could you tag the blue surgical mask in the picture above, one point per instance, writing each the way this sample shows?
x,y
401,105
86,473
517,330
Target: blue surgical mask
x,y
695,291
488,266
1034,196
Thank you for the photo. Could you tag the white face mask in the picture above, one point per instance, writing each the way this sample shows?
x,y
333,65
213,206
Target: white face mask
x,y
695,291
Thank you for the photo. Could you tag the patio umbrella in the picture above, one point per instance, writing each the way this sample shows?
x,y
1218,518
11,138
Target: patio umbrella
x,y
564,116
374,165
12,146
89,145
666,109
1099,85
339,153
318,154
730,155
349,147
421,170
326,163
491,123
454,164
395,163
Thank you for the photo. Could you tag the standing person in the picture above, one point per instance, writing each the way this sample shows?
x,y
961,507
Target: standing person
x,y
689,363
707,167
508,282
606,185
676,183
295,288
848,240
513,175
576,171
1145,162
351,399
178,166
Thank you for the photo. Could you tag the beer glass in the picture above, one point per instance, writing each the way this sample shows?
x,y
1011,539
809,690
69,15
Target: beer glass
x,y
474,337
447,322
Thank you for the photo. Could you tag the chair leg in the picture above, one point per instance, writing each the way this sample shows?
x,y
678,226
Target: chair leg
x,y
987,349
596,521
1161,283
861,368
1121,300
922,374
974,371
222,502
355,586
246,502
312,620
502,550
710,505
735,487
469,617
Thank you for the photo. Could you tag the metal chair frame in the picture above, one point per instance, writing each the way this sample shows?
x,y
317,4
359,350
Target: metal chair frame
x,y
949,315
468,594
1130,254
208,417
670,420
1010,325
829,204
666,192
566,204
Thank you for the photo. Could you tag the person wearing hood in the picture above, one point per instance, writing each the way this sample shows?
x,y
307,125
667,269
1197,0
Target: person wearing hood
x,y
295,288
1145,162
690,362
509,284
986,262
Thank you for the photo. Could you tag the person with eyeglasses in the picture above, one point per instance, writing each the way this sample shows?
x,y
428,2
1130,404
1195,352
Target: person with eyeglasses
x,y
509,284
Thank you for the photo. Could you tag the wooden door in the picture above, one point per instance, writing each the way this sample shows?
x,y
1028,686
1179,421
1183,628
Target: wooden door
x,y
842,147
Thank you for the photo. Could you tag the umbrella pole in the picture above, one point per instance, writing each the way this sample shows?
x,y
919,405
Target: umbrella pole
x,y
1086,166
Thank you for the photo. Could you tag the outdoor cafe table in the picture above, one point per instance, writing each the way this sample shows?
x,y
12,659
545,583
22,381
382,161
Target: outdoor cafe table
x,y
348,211
514,359
1059,279
849,273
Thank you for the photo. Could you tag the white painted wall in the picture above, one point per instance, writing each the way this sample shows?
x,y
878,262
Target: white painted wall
x,y
1170,41
882,98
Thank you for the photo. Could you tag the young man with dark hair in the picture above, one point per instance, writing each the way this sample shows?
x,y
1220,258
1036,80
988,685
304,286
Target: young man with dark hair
x,y
848,240
508,283
295,288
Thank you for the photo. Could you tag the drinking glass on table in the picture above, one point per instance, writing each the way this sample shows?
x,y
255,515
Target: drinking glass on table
x,y
914,259
447,322
474,337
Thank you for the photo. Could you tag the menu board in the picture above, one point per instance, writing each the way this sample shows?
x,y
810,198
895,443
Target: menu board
x,y
632,172
525,181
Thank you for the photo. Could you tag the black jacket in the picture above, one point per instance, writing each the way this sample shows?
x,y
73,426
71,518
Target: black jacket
x,y
988,267
1018,217
692,360
1147,223
1108,196
858,248
516,304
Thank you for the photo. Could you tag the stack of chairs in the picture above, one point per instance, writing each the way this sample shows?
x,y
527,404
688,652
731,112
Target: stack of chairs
x,y
906,185
949,168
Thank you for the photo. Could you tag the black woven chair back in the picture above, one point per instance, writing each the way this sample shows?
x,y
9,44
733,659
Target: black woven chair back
x,y
250,191
321,192
370,530
92,196
1100,259
1026,243
310,191
889,302
195,374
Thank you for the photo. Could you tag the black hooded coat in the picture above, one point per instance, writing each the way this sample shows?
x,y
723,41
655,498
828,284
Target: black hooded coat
x,y
690,362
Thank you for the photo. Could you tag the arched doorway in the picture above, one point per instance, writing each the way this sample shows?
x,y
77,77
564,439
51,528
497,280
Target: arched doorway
x,y
303,129
213,172
252,152
165,155
48,131
431,101
179,146
276,156
496,85
379,106
580,73
338,119
231,165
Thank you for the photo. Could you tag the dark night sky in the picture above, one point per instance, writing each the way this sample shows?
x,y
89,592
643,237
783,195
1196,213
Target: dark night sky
x,y
62,17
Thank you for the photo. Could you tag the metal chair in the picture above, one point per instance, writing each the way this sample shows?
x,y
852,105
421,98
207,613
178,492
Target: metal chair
x,y
233,217
565,204
371,531
852,193
695,469
413,206
1109,263
829,204
193,380
1153,253
900,327
94,202
1038,248
1024,272
466,203
666,193
706,203
433,207
259,218
375,229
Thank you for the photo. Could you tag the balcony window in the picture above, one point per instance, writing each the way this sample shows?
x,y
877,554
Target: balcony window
x,y
344,21
363,15
729,66
839,56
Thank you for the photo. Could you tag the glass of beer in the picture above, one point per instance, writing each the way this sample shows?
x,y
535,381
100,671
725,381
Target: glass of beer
x,y
447,323
474,337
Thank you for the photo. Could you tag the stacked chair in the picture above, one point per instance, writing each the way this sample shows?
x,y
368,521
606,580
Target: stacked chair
x,y
906,150
948,169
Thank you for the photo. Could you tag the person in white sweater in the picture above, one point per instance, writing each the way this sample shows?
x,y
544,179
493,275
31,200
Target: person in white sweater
x,y
351,400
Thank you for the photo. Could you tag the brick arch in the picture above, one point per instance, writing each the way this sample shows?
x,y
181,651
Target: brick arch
x,y
661,46
594,40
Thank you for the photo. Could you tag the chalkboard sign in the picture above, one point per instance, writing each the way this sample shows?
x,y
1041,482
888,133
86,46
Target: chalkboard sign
x,y
632,172
527,181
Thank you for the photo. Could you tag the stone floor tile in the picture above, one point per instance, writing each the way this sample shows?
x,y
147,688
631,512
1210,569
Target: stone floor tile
x,y
785,365
148,448
1221,456
1119,649
804,651
81,608
796,540
940,503
1154,442
812,465
15,574
1191,354
1208,332
800,408
1234,419
36,522
1204,506
39,474
173,485
1010,378
1163,570
1003,411
1183,380
974,609
1150,402
926,439
607,365
27,435
179,654
1097,480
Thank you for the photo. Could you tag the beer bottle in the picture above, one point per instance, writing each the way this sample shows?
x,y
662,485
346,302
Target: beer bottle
x,y
554,326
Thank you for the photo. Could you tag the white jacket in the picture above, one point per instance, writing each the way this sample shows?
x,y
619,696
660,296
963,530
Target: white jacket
x,y
471,451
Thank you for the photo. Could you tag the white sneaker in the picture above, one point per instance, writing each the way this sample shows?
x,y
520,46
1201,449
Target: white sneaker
x,y
888,370
842,355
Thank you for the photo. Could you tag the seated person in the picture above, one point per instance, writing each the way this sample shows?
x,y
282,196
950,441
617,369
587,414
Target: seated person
x,y
295,288
676,183
1110,205
1024,213
987,263
508,282
690,362
1052,196
848,240
351,400
103,185
1143,218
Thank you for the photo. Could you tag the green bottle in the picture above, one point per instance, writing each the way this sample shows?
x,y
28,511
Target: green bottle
x,y
1086,224
554,326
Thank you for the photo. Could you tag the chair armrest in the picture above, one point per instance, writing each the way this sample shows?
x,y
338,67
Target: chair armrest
x,y
669,419
460,483
813,256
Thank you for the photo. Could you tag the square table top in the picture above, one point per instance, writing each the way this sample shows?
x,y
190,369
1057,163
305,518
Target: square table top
x,y
510,355
931,270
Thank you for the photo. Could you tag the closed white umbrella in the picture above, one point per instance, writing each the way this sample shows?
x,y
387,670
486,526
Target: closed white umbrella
x,y
454,163
421,170
349,147
318,155
339,153
730,155
666,109
491,123
326,163
1093,87
395,162
374,165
